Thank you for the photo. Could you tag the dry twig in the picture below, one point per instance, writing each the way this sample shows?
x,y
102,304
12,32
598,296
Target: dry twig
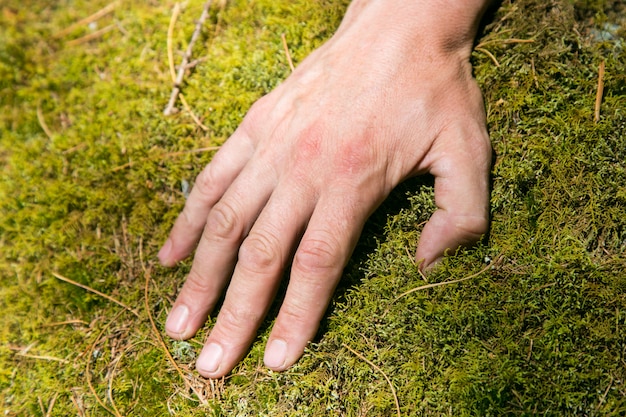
x,y
89,19
599,93
373,365
91,36
85,287
186,57
170,58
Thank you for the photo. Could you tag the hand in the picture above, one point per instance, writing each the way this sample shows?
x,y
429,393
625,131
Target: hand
x,y
390,96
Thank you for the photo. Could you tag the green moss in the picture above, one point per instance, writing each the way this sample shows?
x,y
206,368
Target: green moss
x,y
541,332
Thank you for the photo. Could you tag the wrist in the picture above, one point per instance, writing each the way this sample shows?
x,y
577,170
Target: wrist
x,y
446,26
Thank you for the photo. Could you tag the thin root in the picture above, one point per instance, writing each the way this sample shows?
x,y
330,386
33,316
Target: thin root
x,y
373,365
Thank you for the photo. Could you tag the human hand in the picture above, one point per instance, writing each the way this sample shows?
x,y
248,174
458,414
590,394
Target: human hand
x,y
390,96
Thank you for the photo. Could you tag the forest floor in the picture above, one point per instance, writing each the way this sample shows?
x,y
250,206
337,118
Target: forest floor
x,y
93,175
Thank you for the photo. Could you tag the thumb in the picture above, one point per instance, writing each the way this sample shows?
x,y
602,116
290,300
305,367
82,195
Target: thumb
x,y
461,169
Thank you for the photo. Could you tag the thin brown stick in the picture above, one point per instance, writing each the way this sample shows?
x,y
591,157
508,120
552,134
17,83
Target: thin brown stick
x,y
186,57
85,287
286,48
170,36
92,18
170,59
42,122
157,334
91,36
599,93
439,284
373,365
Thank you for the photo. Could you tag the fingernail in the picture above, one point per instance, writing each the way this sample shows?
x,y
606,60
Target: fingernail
x,y
275,354
177,320
210,358
164,253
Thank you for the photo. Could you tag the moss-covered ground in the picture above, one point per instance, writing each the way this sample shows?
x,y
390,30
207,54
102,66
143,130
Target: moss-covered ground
x,y
93,175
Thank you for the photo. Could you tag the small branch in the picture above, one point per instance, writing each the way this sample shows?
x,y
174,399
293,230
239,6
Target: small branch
x,y
599,93
186,57
286,48
170,59
85,287
373,365
91,36
97,15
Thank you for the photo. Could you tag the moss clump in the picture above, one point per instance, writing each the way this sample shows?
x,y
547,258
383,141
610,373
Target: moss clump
x,y
91,183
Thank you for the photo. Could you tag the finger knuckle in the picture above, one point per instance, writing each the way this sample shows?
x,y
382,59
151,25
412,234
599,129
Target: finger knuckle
x,y
223,222
295,313
198,284
260,252
205,180
317,253
232,320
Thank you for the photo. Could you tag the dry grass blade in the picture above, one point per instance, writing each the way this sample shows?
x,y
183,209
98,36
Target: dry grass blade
x,y
167,155
157,334
92,18
455,281
42,357
85,287
504,41
481,46
88,366
287,53
51,404
489,54
66,322
42,122
373,365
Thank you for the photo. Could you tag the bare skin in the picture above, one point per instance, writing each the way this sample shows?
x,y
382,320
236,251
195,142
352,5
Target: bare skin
x,y
389,96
